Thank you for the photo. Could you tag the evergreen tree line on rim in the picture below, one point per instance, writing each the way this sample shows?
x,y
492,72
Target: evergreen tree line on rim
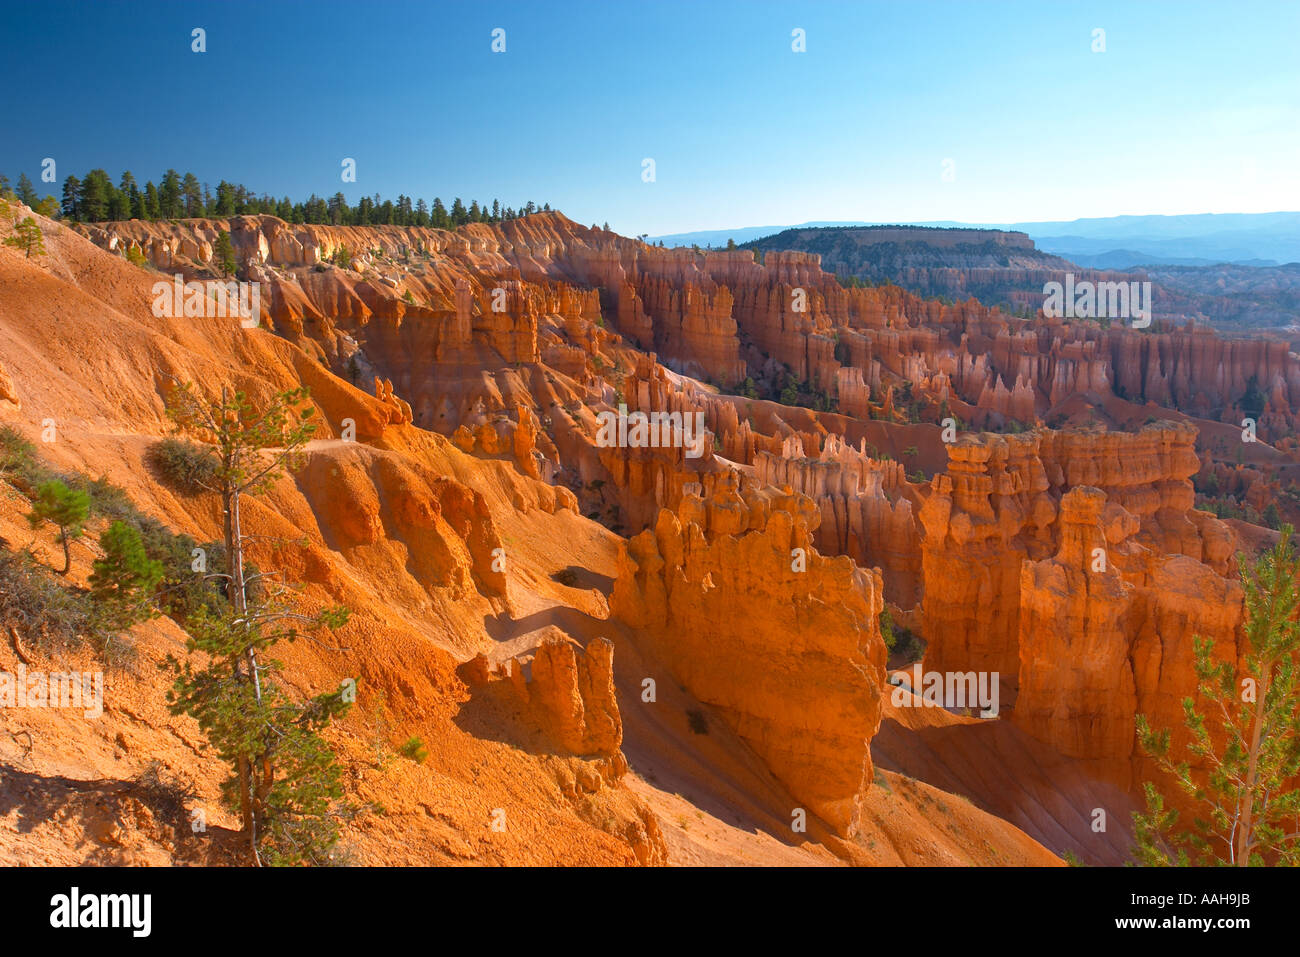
x,y
94,199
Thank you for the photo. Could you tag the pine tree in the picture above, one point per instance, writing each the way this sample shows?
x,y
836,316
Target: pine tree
x,y
65,508
459,217
338,206
1248,753
123,581
284,778
192,195
135,199
438,215
152,205
223,254
27,237
26,194
169,195
226,200
119,204
71,193
96,188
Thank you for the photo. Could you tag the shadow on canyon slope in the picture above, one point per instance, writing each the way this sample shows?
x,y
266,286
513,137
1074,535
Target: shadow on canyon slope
x,y
109,817
674,742
1052,798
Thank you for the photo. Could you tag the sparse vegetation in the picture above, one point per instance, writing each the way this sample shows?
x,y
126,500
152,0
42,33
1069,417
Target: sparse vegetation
x,y
43,610
223,254
414,749
185,466
284,781
1245,738
16,453
27,237
887,628
122,583
66,509
70,615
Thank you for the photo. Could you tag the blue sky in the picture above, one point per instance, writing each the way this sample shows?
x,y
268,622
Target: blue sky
x,y
1193,107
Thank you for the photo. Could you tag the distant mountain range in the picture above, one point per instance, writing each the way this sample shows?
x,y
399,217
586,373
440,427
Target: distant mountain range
x,y
1004,268
1116,242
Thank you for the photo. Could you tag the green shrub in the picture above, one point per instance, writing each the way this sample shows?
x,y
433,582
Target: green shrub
x,y
17,455
45,612
415,750
123,581
887,628
186,466
908,645
106,499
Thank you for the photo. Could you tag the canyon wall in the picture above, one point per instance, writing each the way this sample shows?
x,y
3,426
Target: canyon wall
x,y
1074,563
798,675
694,308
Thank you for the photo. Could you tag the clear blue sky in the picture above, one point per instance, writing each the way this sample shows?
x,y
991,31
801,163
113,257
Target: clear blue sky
x,y
1194,107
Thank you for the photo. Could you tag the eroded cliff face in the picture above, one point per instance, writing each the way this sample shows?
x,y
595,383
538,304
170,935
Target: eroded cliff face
x,y
791,657
1106,632
1074,563
569,696
427,295
513,340
981,520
